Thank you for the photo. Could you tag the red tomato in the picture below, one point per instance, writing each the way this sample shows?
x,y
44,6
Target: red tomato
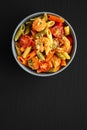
x,y
70,39
59,24
25,41
44,66
57,31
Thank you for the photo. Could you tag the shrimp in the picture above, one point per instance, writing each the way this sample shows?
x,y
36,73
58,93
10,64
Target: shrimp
x,y
64,45
43,44
39,24
56,62
33,63
47,45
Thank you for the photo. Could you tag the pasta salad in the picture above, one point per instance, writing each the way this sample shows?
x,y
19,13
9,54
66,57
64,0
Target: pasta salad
x,y
44,43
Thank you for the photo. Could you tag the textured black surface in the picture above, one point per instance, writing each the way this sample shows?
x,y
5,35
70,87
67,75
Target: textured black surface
x,y
29,102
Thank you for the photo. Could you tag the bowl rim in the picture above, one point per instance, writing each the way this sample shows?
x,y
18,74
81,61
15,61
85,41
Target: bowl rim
x,y
29,70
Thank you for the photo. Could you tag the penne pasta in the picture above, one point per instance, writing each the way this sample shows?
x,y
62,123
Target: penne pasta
x,y
19,32
40,56
63,62
45,17
49,35
61,56
30,55
26,52
50,24
52,70
27,29
50,55
67,30
66,55
22,60
18,50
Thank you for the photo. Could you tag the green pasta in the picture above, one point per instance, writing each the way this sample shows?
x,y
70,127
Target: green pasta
x,y
61,56
30,63
18,49
27,29
19,32
40,56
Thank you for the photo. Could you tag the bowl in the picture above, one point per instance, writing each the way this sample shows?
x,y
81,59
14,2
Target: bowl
x,y
45,74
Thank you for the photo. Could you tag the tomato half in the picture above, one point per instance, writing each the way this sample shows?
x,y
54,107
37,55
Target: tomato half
x,y
57,31
70,39
25,41
44,66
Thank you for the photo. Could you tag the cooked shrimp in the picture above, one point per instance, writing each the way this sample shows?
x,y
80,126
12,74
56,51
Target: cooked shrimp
x,y
56,62
45,40
33,63
42,44
39,24
47,45
64,45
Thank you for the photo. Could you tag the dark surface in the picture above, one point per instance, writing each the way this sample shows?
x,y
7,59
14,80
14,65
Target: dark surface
x,y
30,102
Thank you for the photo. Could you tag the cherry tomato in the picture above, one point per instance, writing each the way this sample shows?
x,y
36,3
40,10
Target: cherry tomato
x,y
70,39
57,31
59,24
44,66
25,41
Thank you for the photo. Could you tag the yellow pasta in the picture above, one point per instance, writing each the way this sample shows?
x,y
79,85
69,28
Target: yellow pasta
x,y
45,17
18,50
66,55
50,23
26,52
67,30
49,35
61,56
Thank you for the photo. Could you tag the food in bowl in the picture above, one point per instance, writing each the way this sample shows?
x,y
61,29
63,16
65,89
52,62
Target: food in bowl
x,y
44,43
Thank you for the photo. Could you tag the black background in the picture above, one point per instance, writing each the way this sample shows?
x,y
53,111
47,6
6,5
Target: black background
x,y
29,102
